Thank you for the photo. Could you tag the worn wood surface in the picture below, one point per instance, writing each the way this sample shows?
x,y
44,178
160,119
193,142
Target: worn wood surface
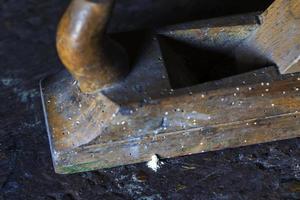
x,y
89,55
279,35
131,120
27,52
219,34
189,122
274,39
277,40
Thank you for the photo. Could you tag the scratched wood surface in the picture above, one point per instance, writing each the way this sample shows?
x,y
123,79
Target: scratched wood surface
x,y
144,114
189,121
27,52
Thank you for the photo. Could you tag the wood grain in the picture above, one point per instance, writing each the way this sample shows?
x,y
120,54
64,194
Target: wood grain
x,y
189,121
91,125
90,56
278,38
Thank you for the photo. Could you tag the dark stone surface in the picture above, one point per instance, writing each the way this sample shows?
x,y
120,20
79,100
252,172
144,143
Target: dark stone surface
x,y
27,54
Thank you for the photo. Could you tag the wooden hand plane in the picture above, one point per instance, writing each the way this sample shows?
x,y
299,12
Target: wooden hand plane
x,y
108,109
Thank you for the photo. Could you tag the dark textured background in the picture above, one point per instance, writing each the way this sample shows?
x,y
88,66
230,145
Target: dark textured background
x,y
27,54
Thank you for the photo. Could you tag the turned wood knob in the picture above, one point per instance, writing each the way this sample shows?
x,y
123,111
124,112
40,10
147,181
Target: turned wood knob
x,y
92,58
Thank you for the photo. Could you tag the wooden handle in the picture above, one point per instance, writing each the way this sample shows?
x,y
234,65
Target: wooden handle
x,y
91,57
